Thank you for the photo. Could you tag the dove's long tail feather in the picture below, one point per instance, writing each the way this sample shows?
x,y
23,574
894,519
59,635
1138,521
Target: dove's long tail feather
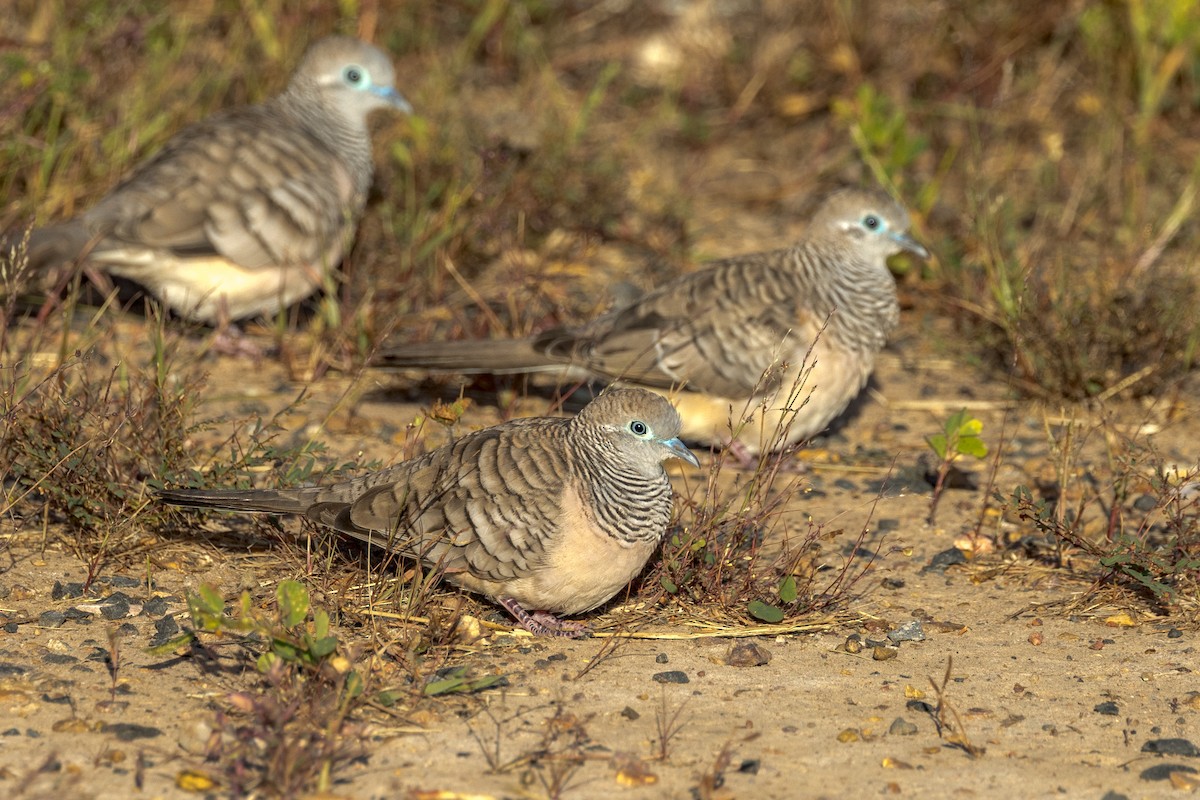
x,y
494,357
269,501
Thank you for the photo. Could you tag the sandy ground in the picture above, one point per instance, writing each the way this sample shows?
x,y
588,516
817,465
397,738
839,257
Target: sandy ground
x,y
1043,699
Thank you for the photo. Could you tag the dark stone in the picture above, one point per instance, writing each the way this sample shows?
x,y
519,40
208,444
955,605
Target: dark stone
x,y
59,658
155,607
1146,503
62,590
630,714
77,615
885,525
51,619
919,706
749,766
118,609
661,658
1171,747
165,628
944,559
846,485
1108,708
129,731
671,676
12,627
57,699
1174,633
902,727
1162,772
11,669
892,583
124,582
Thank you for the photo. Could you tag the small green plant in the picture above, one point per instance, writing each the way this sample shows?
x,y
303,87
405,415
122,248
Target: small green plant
x,y
456,681
290,739
881,133
959,437
1163,565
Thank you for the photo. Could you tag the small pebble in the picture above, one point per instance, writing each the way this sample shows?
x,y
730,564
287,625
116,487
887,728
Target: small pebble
x,y
1146,503
944,559
1174,633
892,583
116,610
155,607
908,632
1108,708
885,653
59,658
747,654
671,676
902,727
661,658
630,714
749,766
129,731
51,619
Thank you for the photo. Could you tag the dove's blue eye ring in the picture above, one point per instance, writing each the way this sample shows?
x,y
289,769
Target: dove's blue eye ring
x,y
871,222
354,75
639,428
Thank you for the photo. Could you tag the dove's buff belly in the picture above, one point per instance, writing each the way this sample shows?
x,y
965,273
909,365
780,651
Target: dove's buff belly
x,y
583,567
210,290
772,421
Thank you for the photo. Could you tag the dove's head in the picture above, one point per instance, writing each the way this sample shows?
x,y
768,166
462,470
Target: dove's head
x,y
350,78
869,223
638,426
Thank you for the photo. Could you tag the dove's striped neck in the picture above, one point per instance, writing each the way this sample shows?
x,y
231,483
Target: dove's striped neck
x,y
860,293
348,137
630,504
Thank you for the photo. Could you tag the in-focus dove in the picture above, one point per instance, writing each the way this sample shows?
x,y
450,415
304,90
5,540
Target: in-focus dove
x,y
757,352
543,515
245,212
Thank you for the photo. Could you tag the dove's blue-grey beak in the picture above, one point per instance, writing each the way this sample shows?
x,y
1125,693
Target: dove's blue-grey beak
x,y
910,244
394,98
679,450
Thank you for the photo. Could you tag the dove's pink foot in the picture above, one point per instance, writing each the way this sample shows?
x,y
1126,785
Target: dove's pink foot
x,y
543,623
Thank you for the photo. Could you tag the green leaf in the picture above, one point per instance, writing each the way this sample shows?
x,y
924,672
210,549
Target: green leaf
x,y
787,590
211,600
319,648
937,443
171,645
972,446
285,649
293,602
320,623
354,684
669,586
456,682
764,612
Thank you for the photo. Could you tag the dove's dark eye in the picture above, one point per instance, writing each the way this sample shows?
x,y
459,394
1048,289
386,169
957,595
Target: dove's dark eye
x,y
639,428
354,75
871,222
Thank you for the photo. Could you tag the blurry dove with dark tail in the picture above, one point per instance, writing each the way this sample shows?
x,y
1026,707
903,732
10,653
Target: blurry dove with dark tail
x,y
246,212
543,515
757,352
